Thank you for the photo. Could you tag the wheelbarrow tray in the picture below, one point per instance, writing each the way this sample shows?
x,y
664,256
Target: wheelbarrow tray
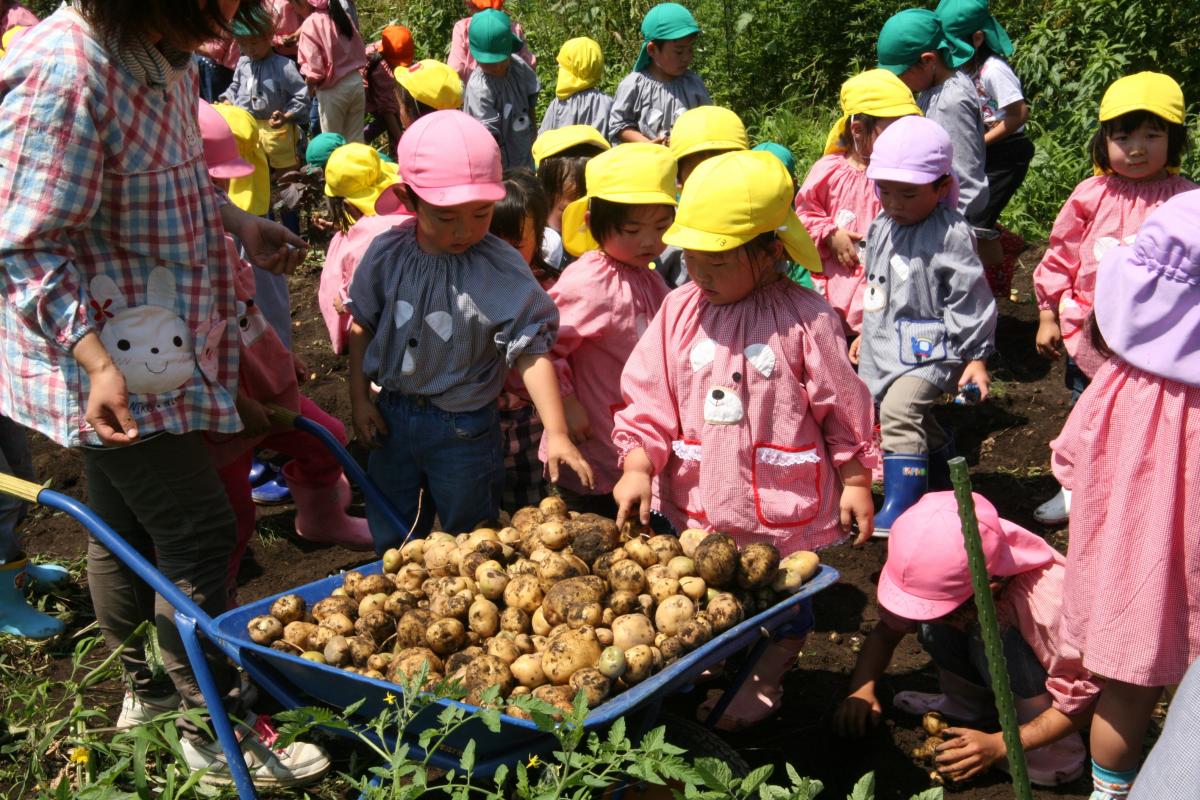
x,y
296,681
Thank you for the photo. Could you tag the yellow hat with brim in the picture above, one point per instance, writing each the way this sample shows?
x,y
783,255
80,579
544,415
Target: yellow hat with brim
x,y
706,128
634,173
1146,91
877,92
357,174
734,197
432,83
253,192
556,141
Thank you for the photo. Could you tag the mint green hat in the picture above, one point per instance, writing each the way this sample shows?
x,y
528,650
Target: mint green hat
x,y
909,33
666,21
491,38
261,20
961,18
780,152
321,147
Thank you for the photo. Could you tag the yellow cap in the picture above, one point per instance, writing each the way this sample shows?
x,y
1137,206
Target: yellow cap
x,y
707,128
7,39
356,173
555,141
877,92
636,173
1146,91
580,66
253,192
433,83
734,197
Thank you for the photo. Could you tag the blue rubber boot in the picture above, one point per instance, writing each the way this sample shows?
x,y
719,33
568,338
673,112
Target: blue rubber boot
x,y
44,577
939,465
17,617
259,471
272,492
905,479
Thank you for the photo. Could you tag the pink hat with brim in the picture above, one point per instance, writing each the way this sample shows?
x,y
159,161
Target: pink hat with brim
x,y
914,150
926,575
220,146
448,159
1148,293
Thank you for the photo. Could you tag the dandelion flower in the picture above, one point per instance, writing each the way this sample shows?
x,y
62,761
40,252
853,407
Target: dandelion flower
x,y
80,755
534,761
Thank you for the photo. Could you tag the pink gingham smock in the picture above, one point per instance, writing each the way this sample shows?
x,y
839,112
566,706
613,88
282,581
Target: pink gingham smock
x,y
604,306
341,259
747,411
1129,453
1102,212
287,22
326,56
104,175
836,194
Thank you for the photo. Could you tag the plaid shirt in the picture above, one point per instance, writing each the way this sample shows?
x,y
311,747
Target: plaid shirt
x,y
103,175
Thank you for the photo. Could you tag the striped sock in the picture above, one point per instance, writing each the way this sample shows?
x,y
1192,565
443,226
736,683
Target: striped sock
x,y
1110,784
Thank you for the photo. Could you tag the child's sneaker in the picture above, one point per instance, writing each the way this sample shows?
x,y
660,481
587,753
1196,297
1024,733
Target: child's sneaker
x,y
298,764
139,709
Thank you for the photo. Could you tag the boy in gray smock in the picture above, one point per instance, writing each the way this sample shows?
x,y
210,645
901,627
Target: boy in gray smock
x,y
661,87
266,84
929,318
502,91
577,101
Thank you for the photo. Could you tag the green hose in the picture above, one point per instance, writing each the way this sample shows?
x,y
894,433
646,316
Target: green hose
x,y
985,605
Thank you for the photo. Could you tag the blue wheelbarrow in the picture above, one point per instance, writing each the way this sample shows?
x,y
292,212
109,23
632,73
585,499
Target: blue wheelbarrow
x,y
296,682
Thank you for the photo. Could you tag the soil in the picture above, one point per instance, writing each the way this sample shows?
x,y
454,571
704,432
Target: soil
x,y
1004,439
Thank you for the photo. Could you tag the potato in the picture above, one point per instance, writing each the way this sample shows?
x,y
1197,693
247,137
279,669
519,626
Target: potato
x,y
408,662
525,593
538,623
439,554
522,566
656,572
662,588
378,626
527,670
339,591
380,662
313,656
646,603
611,663
716,560
337,651
556,568
694,633
334,605
509,535
673,648
361,648
724,611
689,539
392,560
289,608
592,536
372,602
552,534
472,561
594,685
411,576
399,603
627,576
485,671
672,613
373,584
445,636
623,603
584,615
413,551
630,630
561,697
320,637
504,649
577,590
639,664
491,579
525,642
552,507
514,620
803,561
934,723
410,630
339,623
681,567
527,518
604,636
757,565
350,582
569,651
640,551
284,646
483,617
265,629
454,606
693,587
603,564
666,547
297,633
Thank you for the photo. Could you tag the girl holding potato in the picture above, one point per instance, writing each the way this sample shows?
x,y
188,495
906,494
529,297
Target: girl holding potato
x,y
705,386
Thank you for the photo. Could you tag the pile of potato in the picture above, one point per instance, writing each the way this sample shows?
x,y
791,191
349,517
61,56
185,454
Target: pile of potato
x,y
554,603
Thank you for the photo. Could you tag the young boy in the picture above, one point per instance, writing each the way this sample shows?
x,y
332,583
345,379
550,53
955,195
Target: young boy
x,y
577,101
913,46
661,87
502,91
928,315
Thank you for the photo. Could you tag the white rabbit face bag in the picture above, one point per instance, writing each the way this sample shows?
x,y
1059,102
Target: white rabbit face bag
x,y
150,344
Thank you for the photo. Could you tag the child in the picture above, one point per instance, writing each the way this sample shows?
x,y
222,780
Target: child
x,y
1136,153
837,201
562,156
215,60
703,132
795,272
913,46
286,30
393,51
577,101
607,298
331,53
661,87
928,316
442,310
925,588
502,91
461,60
1128,450
362,203
425,87
705,384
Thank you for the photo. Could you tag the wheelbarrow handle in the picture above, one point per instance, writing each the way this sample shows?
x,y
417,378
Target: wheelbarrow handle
x,y
19,488
284,415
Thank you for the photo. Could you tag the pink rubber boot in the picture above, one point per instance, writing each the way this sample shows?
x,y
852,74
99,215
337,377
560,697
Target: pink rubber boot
x,y
762,693
321,515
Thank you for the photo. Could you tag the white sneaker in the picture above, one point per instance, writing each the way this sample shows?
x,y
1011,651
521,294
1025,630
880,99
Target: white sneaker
x,y
140,709
1056,510
298,764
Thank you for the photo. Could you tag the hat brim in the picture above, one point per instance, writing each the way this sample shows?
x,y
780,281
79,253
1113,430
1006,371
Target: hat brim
x,y
796,241
1114,111
904,604
496,56
577,236
895,69
234,168
710,146
460,194
366,201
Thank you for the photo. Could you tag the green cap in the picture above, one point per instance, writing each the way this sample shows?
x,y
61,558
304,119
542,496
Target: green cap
x,y
908,34
491,38
666,21
780,152
961,18
321,147
260,20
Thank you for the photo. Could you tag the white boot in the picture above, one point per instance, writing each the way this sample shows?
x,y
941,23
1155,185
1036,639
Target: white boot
x,y
1056,510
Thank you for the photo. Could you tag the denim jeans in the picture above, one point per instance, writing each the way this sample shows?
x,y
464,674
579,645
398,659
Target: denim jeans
x,y
456,457
15,459
962,653
1075,380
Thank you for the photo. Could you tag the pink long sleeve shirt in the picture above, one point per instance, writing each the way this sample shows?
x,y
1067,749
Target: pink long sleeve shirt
x,y
836,194
604,306
746,411
325,56
287,22
341,259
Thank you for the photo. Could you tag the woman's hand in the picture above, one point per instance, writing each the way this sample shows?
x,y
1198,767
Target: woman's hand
x,y
976,372
844,245
560,450
268,244
1049,335
969,753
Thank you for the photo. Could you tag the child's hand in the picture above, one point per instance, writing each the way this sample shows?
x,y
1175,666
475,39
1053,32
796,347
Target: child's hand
x,y
1049,335
578,426
632,494
857,506
858,711
277,119
855,346
559,449
844,245
976,372
369,426
969,753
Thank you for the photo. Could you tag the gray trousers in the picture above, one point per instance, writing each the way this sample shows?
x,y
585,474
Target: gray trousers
x,y
906,421
163,496
16,461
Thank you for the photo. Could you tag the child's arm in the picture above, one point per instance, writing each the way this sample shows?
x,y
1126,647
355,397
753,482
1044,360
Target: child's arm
x,y
968,307
1060,264
537,371
235,85
622,118
971,752
369,426
861,707
314,64
633,490
482,106
298,104
812,207
1015,115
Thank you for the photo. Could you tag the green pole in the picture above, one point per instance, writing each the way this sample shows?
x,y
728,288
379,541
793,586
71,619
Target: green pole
x,y
961,479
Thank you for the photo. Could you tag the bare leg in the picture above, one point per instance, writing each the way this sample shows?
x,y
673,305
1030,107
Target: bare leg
x,y
1122,717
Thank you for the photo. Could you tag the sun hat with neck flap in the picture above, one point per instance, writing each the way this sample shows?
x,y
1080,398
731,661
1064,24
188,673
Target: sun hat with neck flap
x,y
251,193
962,18
877,92
580,66
431,83
910,33
356,173
448,158
664,22
555,141
705,129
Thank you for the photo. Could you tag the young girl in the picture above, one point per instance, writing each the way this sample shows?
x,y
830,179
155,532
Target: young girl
x,y
561,156
331,53
460,59
1136,153
928,315
442,310
704,385
577,101
1128,450
837,201
425,87
703,132
661,86
607,298
502,90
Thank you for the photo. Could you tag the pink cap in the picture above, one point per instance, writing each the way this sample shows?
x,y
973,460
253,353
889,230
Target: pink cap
x,y
448,159
926,574
914,150
220,146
